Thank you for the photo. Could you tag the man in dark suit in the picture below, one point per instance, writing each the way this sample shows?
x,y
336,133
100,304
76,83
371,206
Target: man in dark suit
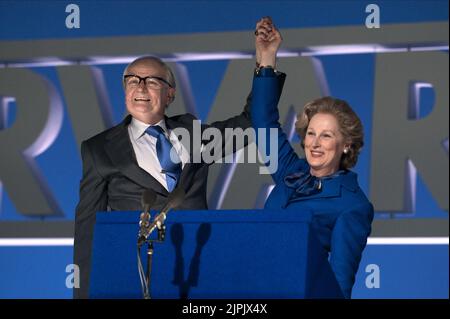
x,y
123,161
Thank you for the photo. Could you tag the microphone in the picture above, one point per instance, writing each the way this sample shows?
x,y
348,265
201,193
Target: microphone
x,y
175,199
147,200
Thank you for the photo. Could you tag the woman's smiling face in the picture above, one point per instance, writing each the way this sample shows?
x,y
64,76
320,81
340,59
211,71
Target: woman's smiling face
x,y
324,144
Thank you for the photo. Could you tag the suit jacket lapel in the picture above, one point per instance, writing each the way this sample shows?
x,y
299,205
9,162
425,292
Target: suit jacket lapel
x,y
121,153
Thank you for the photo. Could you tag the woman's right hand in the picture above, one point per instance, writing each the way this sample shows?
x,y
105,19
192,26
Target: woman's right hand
x,y
267,42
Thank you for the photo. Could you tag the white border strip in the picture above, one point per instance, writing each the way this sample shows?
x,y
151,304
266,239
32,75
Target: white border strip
x,y
407,241
30,242
27,242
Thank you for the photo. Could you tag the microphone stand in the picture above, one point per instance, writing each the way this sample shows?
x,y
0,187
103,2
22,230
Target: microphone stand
x,y
175,198
146,285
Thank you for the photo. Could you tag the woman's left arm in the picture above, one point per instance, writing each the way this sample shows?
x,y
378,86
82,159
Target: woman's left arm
x,y
348,240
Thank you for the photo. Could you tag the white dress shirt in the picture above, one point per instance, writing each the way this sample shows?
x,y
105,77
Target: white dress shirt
x,y
144,146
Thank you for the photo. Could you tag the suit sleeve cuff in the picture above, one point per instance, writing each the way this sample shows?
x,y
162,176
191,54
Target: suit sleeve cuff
x,y
266,72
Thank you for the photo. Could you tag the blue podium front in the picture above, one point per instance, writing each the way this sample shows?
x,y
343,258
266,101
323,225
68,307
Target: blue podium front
x,y
214,254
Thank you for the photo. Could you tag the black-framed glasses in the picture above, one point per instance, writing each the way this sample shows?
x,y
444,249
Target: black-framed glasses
x,y
151,82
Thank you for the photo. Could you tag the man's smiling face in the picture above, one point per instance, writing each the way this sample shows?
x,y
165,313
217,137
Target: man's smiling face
x,y
147,104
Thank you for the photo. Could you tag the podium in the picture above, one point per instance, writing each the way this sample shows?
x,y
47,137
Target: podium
x,y
214,254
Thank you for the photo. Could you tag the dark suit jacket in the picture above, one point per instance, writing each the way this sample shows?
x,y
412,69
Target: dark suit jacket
x,y
112,180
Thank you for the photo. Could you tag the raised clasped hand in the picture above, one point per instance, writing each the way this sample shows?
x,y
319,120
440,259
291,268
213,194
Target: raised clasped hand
x,y
267,42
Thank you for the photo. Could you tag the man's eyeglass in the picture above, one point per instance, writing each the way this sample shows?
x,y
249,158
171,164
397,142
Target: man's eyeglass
x,y
151,82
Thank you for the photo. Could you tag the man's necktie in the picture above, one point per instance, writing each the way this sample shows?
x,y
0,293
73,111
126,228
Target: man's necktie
x,y
172,169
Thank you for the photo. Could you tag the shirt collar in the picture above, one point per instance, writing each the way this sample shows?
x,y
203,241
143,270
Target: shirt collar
x,y
138,127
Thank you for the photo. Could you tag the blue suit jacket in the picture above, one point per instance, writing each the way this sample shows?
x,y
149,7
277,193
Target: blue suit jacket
x,y
342,213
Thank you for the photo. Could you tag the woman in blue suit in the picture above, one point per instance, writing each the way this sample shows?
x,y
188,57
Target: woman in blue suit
x,y
332,137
